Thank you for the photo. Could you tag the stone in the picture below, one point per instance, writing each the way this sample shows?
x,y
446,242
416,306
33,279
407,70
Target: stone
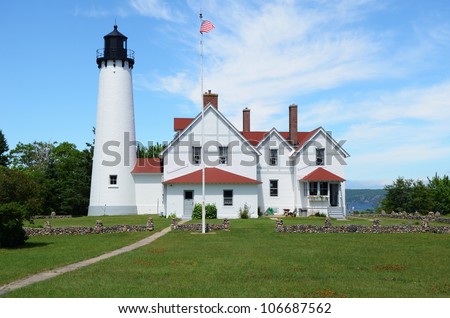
x,y
98,226
174,224
226,225
327,222
150,225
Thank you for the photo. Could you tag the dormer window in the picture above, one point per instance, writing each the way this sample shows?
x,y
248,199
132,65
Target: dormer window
x,y
320,156
273,157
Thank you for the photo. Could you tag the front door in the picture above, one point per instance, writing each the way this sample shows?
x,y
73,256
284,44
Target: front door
x,y
334,194
188,203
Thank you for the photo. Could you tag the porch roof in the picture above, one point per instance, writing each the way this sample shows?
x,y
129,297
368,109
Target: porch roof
x,y
321,174
212,175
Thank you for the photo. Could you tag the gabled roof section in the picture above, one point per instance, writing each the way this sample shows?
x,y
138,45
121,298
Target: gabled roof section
x,y
275,132
321,174
307,138
212,176
180,124
148,165
209,108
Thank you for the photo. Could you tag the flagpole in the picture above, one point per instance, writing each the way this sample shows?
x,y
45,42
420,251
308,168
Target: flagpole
x,y
203,133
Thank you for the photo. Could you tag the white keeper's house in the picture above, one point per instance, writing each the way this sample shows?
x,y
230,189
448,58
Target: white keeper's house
x,y
295,172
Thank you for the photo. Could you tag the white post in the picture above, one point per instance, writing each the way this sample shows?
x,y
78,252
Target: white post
x,y
203,132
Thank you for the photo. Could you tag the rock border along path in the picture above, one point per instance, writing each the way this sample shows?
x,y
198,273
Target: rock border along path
x,y
71,267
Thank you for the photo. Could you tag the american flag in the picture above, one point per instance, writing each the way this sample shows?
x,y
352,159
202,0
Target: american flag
x,y
206,26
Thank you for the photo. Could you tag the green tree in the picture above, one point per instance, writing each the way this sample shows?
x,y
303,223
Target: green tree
x,y
398,195
152,151
440,193
20,198
70,176
421,200
19,187
34,156
4,158
63,171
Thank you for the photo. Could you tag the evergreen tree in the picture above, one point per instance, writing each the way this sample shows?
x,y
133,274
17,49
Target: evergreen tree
x,y
4,158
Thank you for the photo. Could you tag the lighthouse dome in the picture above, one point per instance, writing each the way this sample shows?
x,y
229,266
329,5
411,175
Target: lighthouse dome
x,y
115,48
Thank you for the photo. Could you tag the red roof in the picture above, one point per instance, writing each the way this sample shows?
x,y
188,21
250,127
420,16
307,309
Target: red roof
x,y
180,124
255,137
321,174
148,165
212,175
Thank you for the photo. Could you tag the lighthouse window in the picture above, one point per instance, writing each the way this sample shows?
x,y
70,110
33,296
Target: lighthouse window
x,y
113,179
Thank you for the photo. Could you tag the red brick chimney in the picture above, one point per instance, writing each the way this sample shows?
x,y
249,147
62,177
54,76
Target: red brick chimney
x,y
293,124
210,98
246,120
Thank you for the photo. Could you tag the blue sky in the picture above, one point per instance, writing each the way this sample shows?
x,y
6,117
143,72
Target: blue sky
x,y
375,73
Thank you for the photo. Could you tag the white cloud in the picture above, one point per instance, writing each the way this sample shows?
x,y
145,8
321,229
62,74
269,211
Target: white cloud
x,y
157,9
92,12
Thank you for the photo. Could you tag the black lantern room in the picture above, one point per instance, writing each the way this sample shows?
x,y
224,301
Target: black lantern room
x,y
115,49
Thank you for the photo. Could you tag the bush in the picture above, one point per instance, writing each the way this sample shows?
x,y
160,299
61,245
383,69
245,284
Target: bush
x,y
172,216
210,211
12,233
244,212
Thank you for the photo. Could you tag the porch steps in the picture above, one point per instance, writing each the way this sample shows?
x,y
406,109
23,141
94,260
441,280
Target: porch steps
x,y
336,213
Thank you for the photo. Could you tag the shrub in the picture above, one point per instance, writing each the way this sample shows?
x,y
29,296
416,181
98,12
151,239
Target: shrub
x,y
244,212
12,233
172,216
210,211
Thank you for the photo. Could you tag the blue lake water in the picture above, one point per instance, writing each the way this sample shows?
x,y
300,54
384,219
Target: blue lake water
x,y
359,206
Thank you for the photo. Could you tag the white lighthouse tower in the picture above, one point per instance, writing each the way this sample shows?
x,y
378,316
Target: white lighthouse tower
x,y
112,184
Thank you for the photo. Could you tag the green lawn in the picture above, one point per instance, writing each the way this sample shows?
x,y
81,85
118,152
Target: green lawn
x,y
48,252
252,260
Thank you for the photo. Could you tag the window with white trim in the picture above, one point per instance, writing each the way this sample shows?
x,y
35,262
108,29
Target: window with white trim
x,y
228,197
323,188
318,188
273,157
273,184
196,155
313,189
320,156
223,155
